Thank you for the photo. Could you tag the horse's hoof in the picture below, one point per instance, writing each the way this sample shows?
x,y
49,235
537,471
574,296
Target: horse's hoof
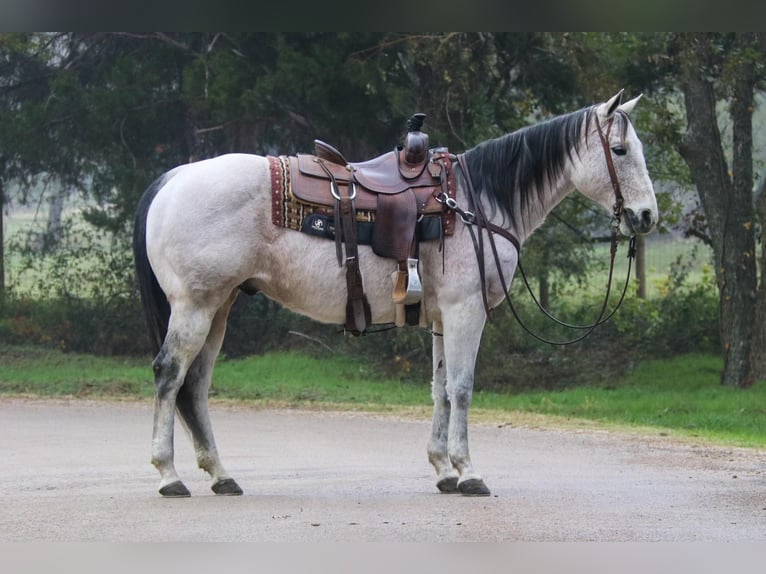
x,y
175,490
448,485
473,487
226,487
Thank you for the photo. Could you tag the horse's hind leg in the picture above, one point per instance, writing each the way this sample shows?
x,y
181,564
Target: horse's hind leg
x,y
187,331
192,403
438,454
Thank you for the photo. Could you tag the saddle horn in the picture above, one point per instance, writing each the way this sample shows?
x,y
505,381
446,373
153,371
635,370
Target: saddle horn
x,y
415,142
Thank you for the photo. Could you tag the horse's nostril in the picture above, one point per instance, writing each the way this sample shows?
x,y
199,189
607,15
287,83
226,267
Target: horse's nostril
x,y
641,222
647,220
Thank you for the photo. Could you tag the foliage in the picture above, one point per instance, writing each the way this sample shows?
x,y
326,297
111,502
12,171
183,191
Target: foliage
x,y
81,325
573,224
80,297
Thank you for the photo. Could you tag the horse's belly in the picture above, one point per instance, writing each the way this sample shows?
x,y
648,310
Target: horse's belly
x,y
302,274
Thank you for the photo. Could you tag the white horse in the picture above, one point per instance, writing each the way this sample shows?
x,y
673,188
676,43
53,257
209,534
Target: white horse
x,y
204,232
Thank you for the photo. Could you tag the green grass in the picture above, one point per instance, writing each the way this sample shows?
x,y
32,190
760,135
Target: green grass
x,y
680,396
38,371
296,379
284,378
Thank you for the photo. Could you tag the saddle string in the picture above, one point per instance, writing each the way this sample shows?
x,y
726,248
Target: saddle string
x,y
479,219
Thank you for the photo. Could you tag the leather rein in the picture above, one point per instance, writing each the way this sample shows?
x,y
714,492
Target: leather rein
x,y
477,218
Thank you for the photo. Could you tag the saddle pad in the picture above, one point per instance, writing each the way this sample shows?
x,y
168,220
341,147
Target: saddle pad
x,y
287,210
322,225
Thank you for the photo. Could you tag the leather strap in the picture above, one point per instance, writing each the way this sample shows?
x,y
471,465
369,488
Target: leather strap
x,y
478,218
619,200
358,313
335,192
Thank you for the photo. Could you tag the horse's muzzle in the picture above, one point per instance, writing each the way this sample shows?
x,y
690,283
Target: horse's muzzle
x,y
641,222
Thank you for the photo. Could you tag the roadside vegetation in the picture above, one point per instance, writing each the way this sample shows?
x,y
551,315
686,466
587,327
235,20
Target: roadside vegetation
x,y
680,396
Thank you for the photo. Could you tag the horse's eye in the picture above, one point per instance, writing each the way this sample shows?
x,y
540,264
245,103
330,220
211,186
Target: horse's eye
x,y
619,150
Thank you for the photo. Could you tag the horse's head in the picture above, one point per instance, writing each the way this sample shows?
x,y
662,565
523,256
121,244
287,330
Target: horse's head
x,y
612,170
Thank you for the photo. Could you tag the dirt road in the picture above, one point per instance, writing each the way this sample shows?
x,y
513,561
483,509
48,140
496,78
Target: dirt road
x,y
79,471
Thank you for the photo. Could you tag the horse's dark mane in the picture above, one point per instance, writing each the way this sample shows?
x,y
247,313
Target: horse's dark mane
x,y
521,163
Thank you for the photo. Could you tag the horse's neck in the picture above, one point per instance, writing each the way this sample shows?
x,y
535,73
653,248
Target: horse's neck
x,y
524,220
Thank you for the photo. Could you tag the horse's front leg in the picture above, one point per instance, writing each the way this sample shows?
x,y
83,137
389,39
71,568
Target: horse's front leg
x,y
462,335
438,454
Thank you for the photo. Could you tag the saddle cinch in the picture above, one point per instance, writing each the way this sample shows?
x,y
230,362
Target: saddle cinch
x,y
398,190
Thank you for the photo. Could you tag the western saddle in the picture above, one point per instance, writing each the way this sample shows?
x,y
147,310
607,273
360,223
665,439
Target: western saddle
x,y
403,190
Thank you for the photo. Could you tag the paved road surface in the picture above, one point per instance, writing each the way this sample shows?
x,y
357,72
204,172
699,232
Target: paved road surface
x,y
79,471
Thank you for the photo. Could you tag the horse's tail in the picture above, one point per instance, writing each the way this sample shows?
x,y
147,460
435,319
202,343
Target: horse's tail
x,y
153,299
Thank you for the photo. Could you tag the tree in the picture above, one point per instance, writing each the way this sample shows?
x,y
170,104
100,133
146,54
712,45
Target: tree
x,y
726,65
17,156
2,242
758,352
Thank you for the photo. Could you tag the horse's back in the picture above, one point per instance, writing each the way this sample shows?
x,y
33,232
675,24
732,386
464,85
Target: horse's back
x,y
221,176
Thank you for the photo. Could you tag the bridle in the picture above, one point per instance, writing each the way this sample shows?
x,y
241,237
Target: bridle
x,y
619,200
476,217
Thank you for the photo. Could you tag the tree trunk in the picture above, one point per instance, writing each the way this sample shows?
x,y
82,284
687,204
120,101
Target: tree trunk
x,y
742,249
726,201
2,243
544,291
55,213
758,351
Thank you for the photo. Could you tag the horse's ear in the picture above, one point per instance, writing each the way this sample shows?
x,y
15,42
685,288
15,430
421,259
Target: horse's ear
x,y
607,109
628,106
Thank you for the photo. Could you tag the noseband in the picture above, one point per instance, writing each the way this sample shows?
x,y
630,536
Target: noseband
x,y
477,217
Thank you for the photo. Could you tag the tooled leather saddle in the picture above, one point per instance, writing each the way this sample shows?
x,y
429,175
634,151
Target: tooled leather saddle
x,y
397,191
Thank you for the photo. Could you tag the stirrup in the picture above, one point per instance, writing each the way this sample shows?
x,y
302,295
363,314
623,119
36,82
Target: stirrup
x,y
414,286
413,291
